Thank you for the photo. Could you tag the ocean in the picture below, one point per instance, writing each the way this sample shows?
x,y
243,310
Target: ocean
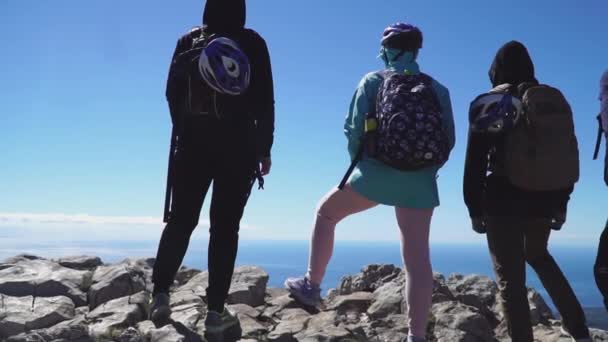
x,y
282,259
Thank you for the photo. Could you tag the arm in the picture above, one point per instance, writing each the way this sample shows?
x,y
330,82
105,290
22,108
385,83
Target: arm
x,y
361,104
447,114
175,88
263,96
475,173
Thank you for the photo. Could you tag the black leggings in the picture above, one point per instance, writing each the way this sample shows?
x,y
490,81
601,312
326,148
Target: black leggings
x,y
199,161
601,266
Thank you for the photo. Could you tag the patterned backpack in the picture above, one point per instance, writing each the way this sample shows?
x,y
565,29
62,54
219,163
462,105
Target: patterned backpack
x,y
410,134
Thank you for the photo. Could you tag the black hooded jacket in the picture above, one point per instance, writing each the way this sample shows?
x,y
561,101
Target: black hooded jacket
x,y
227,18
487,191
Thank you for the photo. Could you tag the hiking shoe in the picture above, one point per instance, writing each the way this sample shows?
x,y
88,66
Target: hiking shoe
x,y
160,311
303,291
222,327
575,339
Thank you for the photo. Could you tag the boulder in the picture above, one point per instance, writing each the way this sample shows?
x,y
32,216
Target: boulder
x,y
476,291
370,278
185,274
292,321
197,285
323,327
44,278
86,263
455,321
540,313
21,314
248,286
116,281
109,319
356,302
74,330
387,300
252,328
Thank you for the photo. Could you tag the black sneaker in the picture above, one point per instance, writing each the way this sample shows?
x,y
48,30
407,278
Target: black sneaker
x,y
160,311
222,327
586,338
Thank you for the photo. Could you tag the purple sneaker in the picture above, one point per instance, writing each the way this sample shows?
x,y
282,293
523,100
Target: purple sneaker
x,y
303,291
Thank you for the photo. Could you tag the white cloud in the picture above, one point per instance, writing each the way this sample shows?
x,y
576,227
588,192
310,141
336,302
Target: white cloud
x,y
61,218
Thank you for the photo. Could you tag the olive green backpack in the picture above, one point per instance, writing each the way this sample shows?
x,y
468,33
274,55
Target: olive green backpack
x,y
541,151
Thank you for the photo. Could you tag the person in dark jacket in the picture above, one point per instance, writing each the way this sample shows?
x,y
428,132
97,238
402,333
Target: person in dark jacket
x,y
229,145
601,262
517,222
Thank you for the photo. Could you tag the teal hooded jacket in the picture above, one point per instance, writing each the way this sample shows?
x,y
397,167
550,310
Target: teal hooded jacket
x,y
372,178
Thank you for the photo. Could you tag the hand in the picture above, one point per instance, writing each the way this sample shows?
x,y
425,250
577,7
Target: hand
x,y
265,165
558,220
479,225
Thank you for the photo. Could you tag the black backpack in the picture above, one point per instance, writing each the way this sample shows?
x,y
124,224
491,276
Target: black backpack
x,y
197,98
410,134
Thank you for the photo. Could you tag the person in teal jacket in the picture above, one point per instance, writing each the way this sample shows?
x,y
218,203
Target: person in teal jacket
x,y
413,193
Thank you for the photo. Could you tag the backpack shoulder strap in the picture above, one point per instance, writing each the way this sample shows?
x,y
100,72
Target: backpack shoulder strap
x,y
426,78
598,142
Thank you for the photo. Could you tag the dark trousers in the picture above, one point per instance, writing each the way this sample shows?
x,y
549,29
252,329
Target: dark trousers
x,y
207,154
601,266
512,243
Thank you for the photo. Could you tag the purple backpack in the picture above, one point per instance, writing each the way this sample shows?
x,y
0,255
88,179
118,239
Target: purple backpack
x,y
410,134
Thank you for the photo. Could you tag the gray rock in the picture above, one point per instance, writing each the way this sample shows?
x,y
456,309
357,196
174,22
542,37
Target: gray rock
x,y
356,302
454,321
130,335
473,290
185,297
185,274
322,327
189,314
20,314
441,291
22,257
168,333
248,286
369,306
75,330
540,313
292,321
252,328
145,328
44,278
599,335
273,292
197,285
276,305
370,278
109,319
389,329
476,291
116,281
80,262
387,300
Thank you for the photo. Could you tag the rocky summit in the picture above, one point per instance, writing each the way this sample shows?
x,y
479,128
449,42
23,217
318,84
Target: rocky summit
x,y
83,299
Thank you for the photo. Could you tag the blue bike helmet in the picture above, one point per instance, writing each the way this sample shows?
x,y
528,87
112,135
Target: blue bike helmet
x,y
402,36
494,113
225,67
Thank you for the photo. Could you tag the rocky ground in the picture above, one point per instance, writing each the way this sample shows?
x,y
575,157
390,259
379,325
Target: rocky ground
x,y
81,299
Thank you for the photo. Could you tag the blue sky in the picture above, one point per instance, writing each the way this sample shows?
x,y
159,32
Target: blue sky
x,y
84,128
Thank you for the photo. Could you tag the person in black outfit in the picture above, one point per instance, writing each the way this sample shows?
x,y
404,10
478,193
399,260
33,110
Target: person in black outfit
x,y
601,262
517,222
229,147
